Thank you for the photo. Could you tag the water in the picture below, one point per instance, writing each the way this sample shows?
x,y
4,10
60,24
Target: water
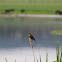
x,y
14,40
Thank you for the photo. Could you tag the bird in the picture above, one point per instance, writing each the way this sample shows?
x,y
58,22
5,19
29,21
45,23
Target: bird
x,y
31,36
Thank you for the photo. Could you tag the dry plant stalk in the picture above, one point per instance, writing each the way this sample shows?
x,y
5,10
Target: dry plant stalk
x,y
6,60
31,42
32,47
15,60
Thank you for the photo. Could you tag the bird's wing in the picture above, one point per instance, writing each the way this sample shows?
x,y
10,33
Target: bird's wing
x,y
32,37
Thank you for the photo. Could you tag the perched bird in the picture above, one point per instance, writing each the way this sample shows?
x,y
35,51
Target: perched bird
x,y
31,36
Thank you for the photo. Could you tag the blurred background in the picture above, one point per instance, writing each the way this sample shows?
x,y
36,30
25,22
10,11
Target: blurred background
x,y
31,6
14,39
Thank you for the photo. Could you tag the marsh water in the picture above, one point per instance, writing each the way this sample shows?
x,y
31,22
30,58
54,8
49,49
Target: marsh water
x,y
14,40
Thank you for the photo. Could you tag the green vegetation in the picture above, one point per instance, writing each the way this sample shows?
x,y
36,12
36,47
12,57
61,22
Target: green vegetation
x,y
31,6
58,52
61,56
58,32
46,57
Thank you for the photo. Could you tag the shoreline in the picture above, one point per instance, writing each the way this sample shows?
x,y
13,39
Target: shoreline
x,y
28,15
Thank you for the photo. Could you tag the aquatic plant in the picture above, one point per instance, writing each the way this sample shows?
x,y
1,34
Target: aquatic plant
x,y
32,47
57,50
6,60
39,53
46,56
61,56
37,60
58,32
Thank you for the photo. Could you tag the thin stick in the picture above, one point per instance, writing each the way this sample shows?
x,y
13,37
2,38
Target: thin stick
x,y
33,54
32,48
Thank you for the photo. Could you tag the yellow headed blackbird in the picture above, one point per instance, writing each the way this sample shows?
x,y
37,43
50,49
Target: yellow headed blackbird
x,y
31,36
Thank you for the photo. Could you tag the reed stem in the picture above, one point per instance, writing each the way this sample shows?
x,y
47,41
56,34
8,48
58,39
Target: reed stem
x,y
32,47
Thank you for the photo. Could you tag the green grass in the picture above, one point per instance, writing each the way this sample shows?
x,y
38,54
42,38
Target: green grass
x,y
31,6
61,56
46,57
58,56
57,51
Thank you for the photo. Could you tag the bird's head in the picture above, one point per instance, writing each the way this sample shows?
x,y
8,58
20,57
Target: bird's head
x,y
29,34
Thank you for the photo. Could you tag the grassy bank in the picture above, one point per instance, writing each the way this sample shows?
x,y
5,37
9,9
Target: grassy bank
x,y
31,6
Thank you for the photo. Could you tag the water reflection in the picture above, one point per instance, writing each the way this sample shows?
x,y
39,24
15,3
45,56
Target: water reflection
x,y
14,31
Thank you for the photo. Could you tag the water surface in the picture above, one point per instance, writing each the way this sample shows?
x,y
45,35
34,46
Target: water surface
x,y
14,40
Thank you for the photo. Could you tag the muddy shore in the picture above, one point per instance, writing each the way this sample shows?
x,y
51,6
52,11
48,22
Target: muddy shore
x,y
27,15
